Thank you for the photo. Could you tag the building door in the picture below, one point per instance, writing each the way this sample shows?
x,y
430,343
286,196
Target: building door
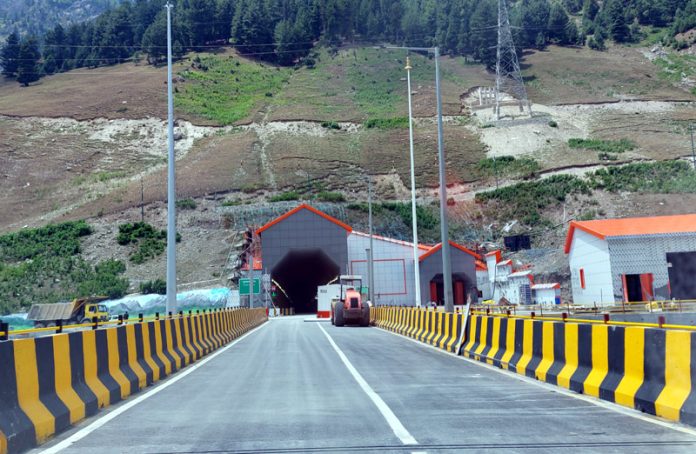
x,y
632,287
682,269
459,299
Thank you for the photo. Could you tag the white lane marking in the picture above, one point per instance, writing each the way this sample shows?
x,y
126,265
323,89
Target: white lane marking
x,y
566,392
79,435
396,426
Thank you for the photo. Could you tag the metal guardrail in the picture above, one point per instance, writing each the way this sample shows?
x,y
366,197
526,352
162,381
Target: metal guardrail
x,y
5,332
605,321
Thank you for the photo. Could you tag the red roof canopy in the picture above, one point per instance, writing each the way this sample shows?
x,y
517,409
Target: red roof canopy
x,y
438,246
655,225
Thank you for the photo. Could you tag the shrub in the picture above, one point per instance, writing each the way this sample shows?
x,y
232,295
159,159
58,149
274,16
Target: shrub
x,y
607,156
425,217
44,264
553,124
607,146
387,123
507,166
285,197
186,204
524,201
157,286
330,125
656,177
326,196
149,241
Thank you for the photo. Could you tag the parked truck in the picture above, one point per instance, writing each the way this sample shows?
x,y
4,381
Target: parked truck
x,y
349,307
80,310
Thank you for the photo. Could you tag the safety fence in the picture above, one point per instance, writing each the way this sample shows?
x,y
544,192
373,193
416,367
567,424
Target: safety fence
x,y
647,368
439,329
49,383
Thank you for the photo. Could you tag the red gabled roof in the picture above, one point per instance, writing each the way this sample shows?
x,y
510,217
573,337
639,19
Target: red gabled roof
x,y
497,254
480,266
304,206
438,246
391,240
655,225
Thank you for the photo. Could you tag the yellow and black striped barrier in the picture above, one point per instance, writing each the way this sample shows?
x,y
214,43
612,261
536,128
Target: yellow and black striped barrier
x,y
49,383
650,369
440,329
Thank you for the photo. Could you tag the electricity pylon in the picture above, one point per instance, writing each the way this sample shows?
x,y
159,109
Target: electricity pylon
x,y
508,77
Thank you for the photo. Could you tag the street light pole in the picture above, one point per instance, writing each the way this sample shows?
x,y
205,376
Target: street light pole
x,y
444,228
693,149
370,255
171,176
414,217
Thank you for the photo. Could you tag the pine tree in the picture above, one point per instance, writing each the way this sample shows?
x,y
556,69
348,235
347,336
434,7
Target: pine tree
x,y
198,17
483,32
616,21
29,56
558,24
9,55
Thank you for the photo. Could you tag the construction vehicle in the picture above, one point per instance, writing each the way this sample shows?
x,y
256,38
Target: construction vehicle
x,y
349,307
80,310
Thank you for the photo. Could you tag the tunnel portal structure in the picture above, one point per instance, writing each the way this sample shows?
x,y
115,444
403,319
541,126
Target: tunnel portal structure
x,y
306,248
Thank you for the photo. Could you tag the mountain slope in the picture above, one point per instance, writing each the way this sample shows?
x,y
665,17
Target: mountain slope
x,y
35,17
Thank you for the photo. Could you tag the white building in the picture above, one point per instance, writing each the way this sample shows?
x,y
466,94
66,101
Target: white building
x,y
514,285
633,259
546,294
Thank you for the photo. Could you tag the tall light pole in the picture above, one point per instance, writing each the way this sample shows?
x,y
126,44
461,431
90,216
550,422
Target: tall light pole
x,y
693,148
171,176
370,254
444,229
416,266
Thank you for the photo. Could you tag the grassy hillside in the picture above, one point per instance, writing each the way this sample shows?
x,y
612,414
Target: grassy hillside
x,y
45,265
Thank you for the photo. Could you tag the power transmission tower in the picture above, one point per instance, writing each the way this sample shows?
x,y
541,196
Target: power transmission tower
x,y
508,77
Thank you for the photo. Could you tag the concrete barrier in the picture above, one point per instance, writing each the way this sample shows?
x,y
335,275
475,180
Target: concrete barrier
x,y
49,383
652,370
439,329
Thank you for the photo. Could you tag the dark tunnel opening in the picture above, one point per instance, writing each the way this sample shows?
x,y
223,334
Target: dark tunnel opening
x,y
298,275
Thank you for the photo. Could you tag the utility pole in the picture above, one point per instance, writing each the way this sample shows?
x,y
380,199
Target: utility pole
x,y
414,217
693,149
444,228
142,200
370,254
171,176
250,275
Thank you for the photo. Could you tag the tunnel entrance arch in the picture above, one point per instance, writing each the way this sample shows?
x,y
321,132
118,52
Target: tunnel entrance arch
x,y
297,276
302,250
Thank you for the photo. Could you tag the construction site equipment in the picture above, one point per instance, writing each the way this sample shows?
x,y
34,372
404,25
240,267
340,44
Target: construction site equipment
x,y
349,307
80,310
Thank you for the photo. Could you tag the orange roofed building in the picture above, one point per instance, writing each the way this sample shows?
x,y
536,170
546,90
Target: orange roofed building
x,y
632,259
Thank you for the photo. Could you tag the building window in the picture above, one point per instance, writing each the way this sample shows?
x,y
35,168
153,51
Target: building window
x,y
582,278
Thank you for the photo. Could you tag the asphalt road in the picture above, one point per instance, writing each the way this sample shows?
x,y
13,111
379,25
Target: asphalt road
x,y
286,388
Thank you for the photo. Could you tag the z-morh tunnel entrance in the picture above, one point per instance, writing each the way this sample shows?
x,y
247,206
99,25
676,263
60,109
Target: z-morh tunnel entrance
x,y
303,249
297,276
